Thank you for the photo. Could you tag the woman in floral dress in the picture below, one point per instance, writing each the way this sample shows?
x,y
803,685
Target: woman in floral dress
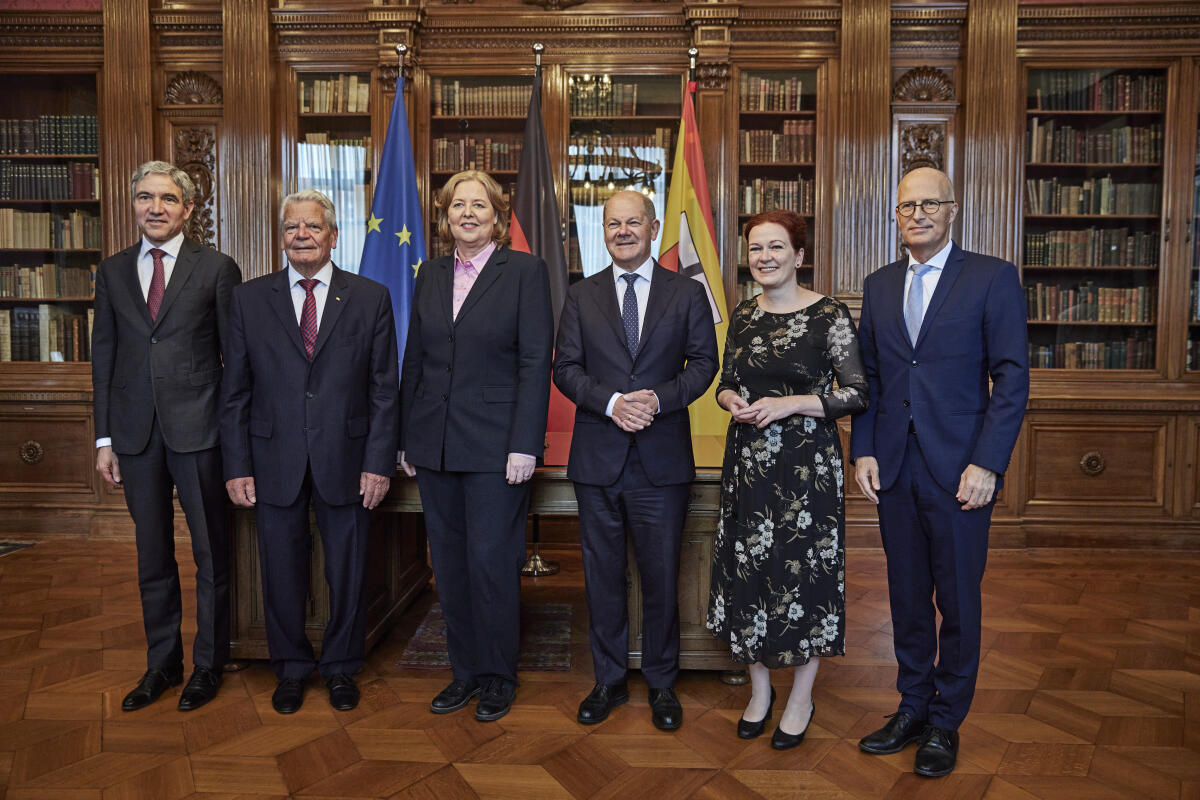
x,y
778,577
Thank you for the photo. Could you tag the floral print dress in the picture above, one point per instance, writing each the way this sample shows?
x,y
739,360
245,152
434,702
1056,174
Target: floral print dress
x,y
777,592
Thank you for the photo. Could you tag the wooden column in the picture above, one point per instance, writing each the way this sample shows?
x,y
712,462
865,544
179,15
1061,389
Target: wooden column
x,y
127,139
249,188
861,181
993,132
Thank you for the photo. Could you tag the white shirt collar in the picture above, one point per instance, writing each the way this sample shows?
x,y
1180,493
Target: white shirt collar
x,y
937,261
324,274
171,248
644,271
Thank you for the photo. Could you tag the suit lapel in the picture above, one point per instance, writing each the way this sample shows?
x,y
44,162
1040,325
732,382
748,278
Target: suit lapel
x,y
892,278
950,273
662,292
128,279
444,288
487,276
604,294
185,262
281,303
336,297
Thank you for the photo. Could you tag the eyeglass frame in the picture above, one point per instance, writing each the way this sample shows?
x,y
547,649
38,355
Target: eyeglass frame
x,y
922,204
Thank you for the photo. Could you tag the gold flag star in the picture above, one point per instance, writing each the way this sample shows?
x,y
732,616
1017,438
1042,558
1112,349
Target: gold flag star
x,y
405,235
373,223
416,267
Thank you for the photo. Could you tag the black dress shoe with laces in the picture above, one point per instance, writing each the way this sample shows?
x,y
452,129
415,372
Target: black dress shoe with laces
x,y
665,710
937,754
455,696
201,688
601,700
343,691
782,740
495,699
289,695
750,730
150,688
901,730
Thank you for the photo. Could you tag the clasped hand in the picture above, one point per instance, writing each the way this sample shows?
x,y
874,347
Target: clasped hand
x,y
761,413
634,411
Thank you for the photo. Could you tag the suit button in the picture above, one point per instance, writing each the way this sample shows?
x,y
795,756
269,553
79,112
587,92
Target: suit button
x,y
309,395
914,363
449,368
305,429
906,404
633,377
153,340
445,397
450,338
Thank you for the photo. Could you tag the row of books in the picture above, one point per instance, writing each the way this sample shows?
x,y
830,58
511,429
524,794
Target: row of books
x,y
795,143
1133,352
451,154
50,134
604,147
345,94
1093,90
762,194
1091,196
45,333
1049,142
757,93
597,194
1193,354
1087,302
74,180
600,97
451,98
1092,247
72,230
1194,302
47,280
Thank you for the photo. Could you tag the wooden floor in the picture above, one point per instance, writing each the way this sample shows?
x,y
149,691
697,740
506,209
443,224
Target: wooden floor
x,y
1090,688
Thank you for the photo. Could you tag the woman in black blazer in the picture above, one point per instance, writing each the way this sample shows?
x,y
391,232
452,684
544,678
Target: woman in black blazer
x,y
475,387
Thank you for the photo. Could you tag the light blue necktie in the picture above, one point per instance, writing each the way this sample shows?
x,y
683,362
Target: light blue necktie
x,y
629,314
914,306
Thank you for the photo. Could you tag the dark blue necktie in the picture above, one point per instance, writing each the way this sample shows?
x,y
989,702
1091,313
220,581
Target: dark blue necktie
x,y
629,314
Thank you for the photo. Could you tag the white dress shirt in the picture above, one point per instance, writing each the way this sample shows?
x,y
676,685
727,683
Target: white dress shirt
x,y
929,280
320,291
641,290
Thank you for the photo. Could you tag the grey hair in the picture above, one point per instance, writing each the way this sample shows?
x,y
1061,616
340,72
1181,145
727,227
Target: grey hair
x,y
647,203
181,178
309,196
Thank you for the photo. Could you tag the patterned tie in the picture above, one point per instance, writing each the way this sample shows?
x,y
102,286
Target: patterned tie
x,y
629,313
914,306
308,316
158,284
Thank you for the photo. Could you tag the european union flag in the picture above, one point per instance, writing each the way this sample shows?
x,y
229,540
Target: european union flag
x,y
395,246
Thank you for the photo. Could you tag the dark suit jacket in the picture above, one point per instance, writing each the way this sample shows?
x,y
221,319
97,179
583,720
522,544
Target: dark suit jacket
x,y
477,387
677,359
169,368
338,414
973,330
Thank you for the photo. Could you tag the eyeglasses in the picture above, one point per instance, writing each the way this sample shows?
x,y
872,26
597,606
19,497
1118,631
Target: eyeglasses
x,y
928,206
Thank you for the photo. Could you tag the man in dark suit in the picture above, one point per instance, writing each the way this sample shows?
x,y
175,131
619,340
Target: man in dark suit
x,y
311,412
636,345
931,450
161,310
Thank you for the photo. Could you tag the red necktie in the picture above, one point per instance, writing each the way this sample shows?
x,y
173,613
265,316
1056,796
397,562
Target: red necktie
x,y
158,284
308,316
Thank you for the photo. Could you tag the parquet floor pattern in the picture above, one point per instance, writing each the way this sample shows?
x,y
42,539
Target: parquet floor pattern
x,y
1090,688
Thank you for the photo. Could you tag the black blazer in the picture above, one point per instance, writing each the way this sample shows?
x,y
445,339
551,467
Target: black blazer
x,y
169,368
282,414
677,359
477,387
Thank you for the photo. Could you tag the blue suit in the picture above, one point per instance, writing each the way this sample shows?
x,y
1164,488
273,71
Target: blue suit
x,y
931,415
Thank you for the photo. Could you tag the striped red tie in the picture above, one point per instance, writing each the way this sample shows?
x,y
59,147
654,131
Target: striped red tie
x,y
308,316
158,284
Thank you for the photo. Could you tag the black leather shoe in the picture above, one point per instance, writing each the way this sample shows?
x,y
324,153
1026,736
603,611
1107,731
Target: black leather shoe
x,y
601,700
343,691
201,688
495,699
665,710
150,688
749,730
454,697
902,730
782,740
937,754
289,695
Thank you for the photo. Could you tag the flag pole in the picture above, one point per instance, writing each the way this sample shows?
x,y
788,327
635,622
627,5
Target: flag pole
x,y
535,565
692,53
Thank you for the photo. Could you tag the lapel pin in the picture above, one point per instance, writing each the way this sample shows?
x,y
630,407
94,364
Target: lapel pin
x,y
338,299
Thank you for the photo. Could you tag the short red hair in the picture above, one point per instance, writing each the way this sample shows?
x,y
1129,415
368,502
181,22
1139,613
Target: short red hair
x,y
790,221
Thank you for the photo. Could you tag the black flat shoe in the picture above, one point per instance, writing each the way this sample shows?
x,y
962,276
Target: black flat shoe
x,y
288,696
150,688
601,700
201,688
750,730
665,710
455,696
343,691
495,700
781,740
937,754
901,730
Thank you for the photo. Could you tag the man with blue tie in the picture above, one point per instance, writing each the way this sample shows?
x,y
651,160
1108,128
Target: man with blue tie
x,y
931,450
636,345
